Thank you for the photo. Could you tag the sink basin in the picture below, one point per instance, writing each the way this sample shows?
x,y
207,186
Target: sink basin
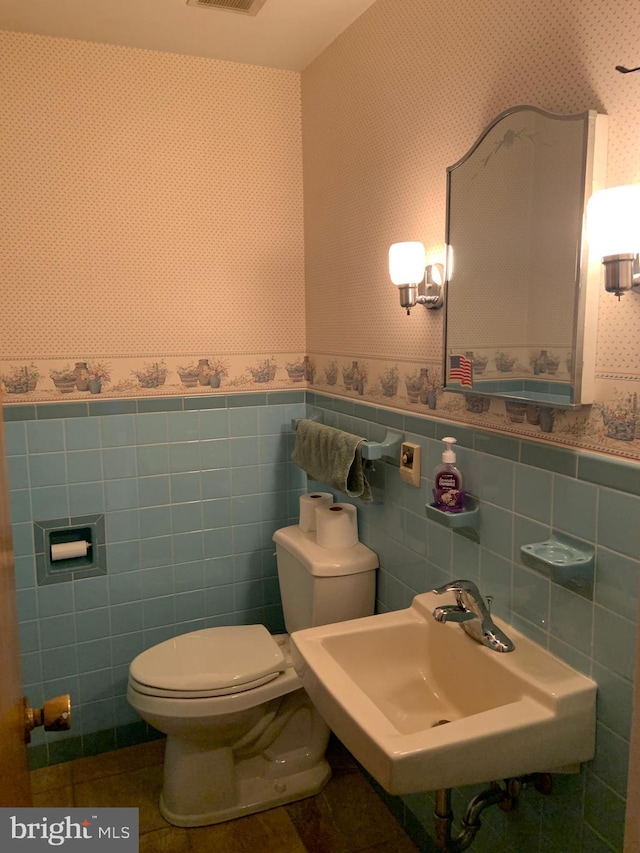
x,y
423,706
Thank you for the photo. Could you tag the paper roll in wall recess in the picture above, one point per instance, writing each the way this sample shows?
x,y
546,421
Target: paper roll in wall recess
x,y
308,505
69,550
336,526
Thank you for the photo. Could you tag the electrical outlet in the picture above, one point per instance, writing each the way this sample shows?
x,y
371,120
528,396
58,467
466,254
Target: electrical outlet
x,y
410,463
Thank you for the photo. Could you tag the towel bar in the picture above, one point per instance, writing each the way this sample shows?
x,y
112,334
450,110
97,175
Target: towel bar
x,y
369,449
316,417
387,447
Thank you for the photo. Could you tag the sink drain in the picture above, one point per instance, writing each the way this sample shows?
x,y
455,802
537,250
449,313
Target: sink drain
x,y
439,723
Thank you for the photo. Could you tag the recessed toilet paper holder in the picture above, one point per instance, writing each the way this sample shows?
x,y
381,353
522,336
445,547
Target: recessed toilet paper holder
x,y
70,548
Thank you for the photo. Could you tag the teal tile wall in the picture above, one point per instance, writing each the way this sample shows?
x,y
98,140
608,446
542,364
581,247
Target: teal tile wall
x,y
525,491
191,498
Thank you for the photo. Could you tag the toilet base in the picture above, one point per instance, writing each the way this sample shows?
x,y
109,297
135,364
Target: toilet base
x,y
247,762
257,794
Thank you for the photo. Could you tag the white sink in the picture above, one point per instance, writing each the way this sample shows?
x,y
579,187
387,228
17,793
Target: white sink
x,y
386,683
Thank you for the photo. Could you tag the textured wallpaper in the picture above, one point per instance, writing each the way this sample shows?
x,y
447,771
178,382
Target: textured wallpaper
x,y
151,218
400,96
155,239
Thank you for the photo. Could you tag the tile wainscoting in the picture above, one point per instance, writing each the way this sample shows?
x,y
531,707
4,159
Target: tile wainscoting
x,y
191,491
191,497
525,489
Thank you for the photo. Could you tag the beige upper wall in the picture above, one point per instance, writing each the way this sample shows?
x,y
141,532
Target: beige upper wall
x,y
402,95
151,204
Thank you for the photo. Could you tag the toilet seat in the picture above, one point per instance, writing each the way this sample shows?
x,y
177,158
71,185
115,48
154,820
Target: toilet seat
x,y
207,663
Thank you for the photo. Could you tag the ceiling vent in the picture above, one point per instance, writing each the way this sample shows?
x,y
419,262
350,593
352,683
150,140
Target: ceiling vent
x,y
245,7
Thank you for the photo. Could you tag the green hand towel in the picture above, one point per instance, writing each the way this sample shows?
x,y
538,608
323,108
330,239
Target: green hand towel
x,y
333,457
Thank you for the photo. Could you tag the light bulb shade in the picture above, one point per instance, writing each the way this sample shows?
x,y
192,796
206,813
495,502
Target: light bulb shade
x,y
613,221
406,263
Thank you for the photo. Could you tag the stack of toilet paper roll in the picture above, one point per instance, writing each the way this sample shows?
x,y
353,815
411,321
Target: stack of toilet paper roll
x,y
308,506
335,524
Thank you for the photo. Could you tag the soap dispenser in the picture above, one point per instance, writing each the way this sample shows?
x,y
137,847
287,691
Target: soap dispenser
x,y
447,481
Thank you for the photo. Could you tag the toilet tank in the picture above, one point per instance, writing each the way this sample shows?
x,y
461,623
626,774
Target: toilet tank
x,y
323,585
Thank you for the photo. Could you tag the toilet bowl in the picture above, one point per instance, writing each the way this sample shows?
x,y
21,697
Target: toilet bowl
x,y
242,734
255,741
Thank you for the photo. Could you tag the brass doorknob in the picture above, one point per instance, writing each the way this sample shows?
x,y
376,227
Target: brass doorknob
x,y
55,716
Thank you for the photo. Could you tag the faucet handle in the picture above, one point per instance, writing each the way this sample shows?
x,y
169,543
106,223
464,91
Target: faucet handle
x,y
471,608
458,586
453,613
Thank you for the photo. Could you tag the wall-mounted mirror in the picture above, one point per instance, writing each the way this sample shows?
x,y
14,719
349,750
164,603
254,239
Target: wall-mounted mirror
x,y
521,301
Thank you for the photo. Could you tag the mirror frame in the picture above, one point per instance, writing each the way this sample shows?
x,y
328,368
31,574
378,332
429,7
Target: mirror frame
x,y
579,391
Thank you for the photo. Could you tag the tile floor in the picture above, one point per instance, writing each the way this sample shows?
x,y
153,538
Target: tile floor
x,y
346,817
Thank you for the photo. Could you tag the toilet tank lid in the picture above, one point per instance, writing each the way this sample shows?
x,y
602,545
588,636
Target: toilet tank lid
x,y
210,659
325,562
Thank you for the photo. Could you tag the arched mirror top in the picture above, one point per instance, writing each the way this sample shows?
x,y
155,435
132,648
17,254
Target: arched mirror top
x,y
518,307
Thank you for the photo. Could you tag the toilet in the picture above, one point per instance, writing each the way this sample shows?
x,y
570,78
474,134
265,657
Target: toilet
x,y
242,734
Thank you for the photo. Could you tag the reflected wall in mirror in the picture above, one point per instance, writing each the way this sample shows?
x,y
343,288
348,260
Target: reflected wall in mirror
x,y
521,297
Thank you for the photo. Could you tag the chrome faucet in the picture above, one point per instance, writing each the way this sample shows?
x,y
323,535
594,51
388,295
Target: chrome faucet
x,y
473,614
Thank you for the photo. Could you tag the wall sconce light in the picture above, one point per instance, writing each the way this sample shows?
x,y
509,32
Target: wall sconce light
x,y
613,223
418,283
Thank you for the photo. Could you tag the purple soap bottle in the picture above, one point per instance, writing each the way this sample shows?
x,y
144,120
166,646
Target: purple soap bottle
x,y
447,481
